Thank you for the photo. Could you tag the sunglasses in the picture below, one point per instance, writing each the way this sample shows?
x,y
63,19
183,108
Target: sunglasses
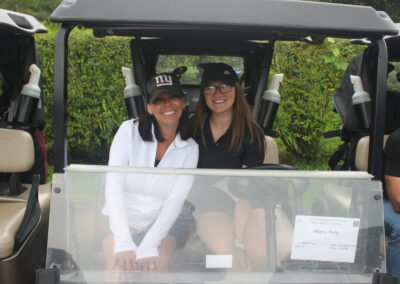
x,y
211,90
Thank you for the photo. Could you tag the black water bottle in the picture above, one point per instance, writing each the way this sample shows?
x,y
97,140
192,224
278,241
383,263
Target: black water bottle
x,y
30,96
361,101
133,96
270,103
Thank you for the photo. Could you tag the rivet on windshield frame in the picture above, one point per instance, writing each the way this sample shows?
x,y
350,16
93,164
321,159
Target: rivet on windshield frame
x,y
377,197
57,190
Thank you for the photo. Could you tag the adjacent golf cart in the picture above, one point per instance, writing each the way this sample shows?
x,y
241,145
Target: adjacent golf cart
x,y
302,245
353,153
24,191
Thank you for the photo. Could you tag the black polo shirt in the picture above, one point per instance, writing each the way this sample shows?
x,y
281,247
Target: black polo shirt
x,y
216,155
392,153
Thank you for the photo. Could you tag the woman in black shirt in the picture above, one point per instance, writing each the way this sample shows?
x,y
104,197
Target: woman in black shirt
x,y
224,126
228,137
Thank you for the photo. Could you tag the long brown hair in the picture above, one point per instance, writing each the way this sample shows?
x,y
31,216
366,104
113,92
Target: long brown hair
x,y
242,123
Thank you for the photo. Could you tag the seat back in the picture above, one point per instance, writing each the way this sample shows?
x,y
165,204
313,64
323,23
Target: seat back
x,y
271,151
362,153
16,156
16,151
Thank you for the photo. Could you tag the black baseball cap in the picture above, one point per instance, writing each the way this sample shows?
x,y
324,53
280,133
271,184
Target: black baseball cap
x,y
163,83
218,72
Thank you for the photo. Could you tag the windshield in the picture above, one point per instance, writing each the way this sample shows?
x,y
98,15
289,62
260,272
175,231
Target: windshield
x,y
325,226
192,76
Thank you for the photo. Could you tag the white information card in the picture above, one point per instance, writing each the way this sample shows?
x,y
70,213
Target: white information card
x,y
325,238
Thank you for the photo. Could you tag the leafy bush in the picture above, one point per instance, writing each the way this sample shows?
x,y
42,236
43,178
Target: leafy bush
x,y
312,72
95,102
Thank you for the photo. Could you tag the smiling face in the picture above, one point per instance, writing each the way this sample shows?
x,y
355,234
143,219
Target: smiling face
x,y
222,100
167,108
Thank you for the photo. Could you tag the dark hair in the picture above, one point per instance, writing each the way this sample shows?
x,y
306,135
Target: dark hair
x,y
242,121
149,120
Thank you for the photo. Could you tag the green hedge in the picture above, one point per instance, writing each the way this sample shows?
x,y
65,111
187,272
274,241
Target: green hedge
x,y
95,87
96,105
312,72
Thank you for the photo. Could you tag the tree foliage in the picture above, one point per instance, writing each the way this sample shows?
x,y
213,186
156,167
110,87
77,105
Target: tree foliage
x,y
95,87
40,9
311,75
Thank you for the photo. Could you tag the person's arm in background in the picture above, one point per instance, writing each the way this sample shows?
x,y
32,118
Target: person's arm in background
x,y
392,169
392,208
393,191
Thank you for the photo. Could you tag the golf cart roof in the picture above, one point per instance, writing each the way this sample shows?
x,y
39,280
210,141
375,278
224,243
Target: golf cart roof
x,y
18,23
249,19
392,42
393,45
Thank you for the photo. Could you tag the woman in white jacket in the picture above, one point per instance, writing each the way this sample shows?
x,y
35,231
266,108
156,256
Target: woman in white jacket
x,y
142,208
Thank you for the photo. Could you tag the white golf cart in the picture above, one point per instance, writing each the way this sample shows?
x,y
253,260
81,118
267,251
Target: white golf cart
x,y
302,243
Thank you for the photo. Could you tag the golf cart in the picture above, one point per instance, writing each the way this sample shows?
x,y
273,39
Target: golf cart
x,y
354,132
24,191
302,245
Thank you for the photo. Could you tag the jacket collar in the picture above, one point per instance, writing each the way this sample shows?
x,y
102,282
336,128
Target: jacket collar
x,y
178,142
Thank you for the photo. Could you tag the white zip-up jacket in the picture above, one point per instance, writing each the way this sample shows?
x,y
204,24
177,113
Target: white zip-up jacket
x,y
136,201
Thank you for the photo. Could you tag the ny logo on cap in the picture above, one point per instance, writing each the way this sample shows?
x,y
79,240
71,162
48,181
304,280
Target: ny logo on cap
x,y
163,80
226,72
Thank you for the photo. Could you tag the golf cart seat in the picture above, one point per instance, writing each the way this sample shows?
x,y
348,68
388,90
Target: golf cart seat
x,y
329,203
271,151
361,160
17,155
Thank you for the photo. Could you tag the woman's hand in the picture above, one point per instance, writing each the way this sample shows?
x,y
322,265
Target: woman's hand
x,y
149,264
124,261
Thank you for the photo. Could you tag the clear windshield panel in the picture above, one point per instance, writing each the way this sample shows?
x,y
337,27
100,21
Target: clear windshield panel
x,y
113,225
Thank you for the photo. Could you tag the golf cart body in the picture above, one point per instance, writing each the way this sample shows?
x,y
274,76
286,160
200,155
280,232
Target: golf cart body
x,y
247,30
24,193
353,154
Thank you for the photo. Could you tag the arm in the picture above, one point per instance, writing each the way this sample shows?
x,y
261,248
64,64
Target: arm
x,y
253,155
170,210
115,192
393,191
392,169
